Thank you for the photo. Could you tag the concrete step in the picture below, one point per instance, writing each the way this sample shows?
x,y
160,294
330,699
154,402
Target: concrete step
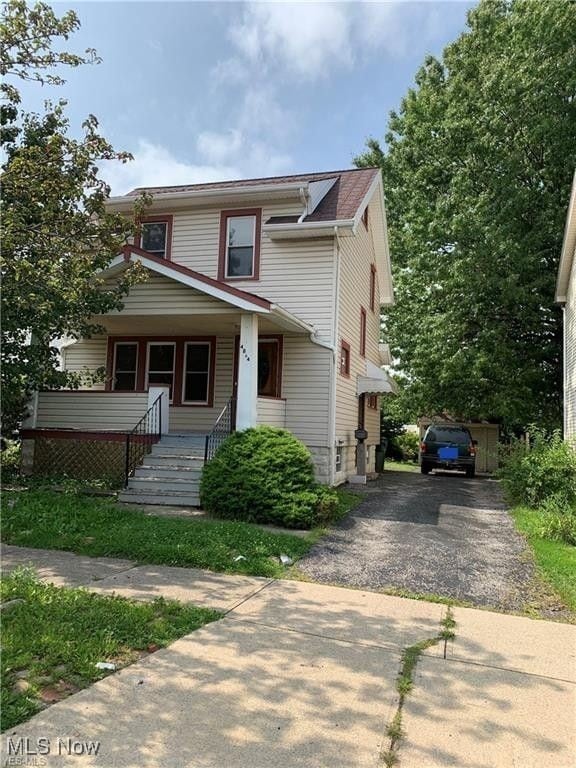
x,y
177,462
175,450
155,485
175,473
163,499
182,442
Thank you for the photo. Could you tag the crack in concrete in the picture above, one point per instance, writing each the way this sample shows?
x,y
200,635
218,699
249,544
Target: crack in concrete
x,y
405,681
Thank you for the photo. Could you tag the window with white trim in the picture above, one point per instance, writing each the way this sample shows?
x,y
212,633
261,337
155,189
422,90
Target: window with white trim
x,y
196,379
153,237
338,461
240,240
125,366
160,367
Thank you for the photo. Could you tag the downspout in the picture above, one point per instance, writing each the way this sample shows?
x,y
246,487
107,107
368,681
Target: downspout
x,y
304,201
564,373
336,305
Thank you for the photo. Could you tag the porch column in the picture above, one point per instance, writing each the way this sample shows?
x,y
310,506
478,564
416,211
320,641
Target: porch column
x,y
247,391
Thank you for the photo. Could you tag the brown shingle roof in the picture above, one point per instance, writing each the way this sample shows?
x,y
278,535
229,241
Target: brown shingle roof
x,y
341,202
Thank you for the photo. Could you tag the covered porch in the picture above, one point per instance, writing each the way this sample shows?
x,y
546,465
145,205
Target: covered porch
x,y
216,352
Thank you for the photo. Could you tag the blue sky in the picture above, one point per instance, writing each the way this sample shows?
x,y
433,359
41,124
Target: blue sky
x,y
205,91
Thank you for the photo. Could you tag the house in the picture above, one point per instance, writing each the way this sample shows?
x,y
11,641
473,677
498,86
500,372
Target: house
x,y
566,295
261,306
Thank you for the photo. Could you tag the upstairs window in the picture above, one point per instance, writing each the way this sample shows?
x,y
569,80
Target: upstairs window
x,y
155,236
372,287
365,217
239,245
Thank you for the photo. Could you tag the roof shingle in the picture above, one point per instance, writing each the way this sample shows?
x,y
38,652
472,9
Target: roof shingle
x,y
341,202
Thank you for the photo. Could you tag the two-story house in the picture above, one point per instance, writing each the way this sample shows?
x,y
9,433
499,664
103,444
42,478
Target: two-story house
x,y
261,306
566,296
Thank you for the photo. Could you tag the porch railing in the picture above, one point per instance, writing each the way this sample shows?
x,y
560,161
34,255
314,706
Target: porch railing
x,y
141,438
223,426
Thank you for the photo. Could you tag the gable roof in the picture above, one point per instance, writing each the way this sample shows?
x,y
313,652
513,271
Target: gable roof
x,y
341,202
216,288
243,300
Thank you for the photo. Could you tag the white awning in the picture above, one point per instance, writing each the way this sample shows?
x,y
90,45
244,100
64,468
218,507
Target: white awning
x,y
376,381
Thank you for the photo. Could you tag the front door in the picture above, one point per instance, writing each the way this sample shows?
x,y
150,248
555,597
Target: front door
x,y
270,356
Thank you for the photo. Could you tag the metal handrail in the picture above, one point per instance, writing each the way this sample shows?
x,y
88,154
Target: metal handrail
x,y
140,439
223,427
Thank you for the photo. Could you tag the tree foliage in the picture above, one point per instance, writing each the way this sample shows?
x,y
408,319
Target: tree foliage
x,y
57,232
477,170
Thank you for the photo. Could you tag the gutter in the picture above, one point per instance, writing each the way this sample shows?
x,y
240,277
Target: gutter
x,y
271,190
306,225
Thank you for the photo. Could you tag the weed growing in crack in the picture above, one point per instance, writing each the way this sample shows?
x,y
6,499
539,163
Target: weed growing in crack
x,y
405,683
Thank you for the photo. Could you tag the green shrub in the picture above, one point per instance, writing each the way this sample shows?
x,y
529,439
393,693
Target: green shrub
x,y
10,461
265,475
546,469
407,445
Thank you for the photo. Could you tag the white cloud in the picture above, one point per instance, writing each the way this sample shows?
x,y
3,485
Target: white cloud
x,y
219,147
302,36
309,40
155,166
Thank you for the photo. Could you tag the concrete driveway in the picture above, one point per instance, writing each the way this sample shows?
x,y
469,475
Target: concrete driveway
x,y
442,534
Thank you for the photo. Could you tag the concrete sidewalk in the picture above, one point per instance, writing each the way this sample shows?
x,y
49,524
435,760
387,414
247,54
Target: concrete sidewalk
x,y
302,675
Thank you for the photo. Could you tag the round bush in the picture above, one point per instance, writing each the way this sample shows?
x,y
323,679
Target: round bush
x,y
265,475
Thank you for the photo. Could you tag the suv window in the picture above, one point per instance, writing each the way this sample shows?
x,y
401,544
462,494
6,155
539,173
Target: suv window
x,y
448,435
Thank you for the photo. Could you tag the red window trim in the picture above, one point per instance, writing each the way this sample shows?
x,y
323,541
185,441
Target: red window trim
x,y
177,389
345,370
261,337
372,287
224,216
168,218
365,217
362,332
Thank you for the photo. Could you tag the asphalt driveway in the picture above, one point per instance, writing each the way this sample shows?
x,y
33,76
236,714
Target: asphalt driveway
x,y
442,533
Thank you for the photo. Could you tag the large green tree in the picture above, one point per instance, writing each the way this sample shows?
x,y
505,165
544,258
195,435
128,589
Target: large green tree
x,y
477,168
56,231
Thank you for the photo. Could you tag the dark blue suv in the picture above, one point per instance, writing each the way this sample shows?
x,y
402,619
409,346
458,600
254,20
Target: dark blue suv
x,y
448,447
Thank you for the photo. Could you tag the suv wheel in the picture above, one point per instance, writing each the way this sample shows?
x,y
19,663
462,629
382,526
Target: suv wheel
x,y
470,472
425,469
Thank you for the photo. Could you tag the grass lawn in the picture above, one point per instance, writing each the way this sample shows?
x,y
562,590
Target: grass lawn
x,y
398,466
99,528
52,640
556,561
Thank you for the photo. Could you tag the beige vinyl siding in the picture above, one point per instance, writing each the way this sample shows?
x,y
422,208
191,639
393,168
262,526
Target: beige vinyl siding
x,y
356,258
297,274
306,389
570,357
190,418
163,296
86,355
271,412
83,410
